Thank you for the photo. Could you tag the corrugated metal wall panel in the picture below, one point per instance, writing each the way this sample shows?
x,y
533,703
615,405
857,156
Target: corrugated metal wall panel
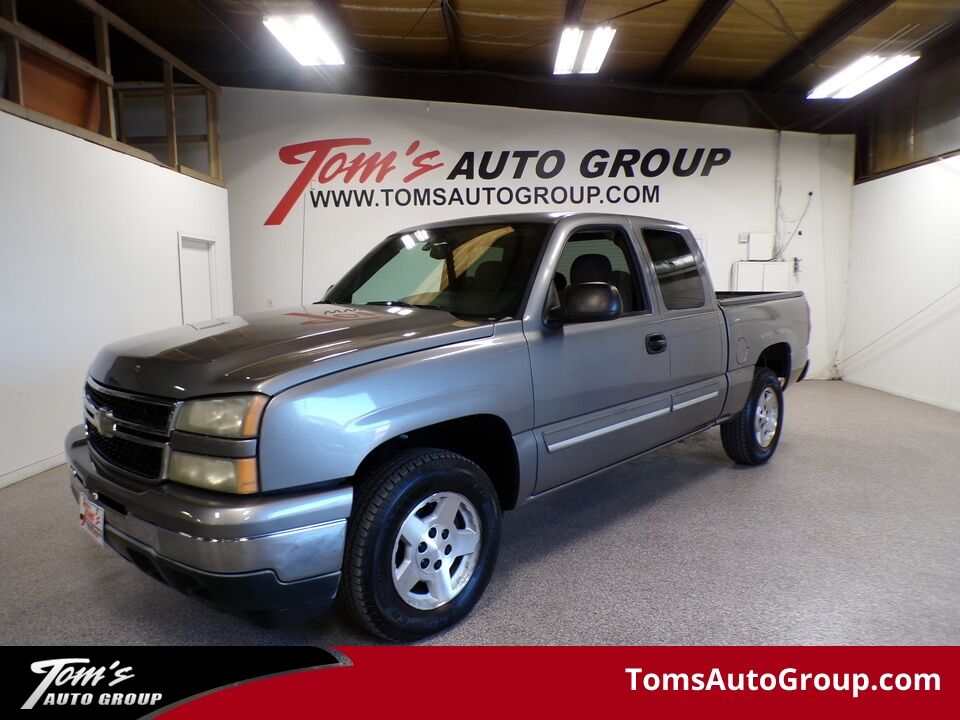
x,y
904,255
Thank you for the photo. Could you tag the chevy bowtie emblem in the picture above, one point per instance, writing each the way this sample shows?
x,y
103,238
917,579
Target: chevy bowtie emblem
x,y
104,423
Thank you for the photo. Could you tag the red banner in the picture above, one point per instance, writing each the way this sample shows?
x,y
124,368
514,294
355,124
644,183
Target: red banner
x,y
473,682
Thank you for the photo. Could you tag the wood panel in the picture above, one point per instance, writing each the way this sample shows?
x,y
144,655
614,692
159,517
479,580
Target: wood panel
x,y
751,37
404,31
920,17
56,90
644,38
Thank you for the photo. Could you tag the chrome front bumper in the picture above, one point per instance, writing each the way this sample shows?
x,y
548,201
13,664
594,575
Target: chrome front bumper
x,y
292,538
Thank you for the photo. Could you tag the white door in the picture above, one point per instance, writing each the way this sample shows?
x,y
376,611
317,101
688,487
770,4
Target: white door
x,y
197,287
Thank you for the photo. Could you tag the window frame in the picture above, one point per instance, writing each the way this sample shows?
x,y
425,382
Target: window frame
x,y
694,250
634,262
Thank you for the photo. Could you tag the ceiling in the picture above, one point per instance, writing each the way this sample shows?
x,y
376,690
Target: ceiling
x,y
681,55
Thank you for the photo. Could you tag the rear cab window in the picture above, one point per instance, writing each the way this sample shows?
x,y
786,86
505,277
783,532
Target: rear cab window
x,y
676,268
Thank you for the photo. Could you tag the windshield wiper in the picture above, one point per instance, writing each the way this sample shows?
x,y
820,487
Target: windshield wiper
x,y
398,303
456,313
403,303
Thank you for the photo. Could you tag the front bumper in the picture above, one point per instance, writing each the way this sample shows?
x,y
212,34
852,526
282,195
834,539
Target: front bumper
x,y
270,558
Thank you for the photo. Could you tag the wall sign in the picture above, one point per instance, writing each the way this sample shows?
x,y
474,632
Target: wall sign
x,y
388,178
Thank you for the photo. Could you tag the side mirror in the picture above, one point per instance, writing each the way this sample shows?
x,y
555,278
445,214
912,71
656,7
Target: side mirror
x,y
586,302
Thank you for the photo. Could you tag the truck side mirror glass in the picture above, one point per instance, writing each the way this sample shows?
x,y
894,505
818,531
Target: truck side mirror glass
x,y
586,302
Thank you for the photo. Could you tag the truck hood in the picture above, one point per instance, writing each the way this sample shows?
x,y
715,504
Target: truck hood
x,y
270,351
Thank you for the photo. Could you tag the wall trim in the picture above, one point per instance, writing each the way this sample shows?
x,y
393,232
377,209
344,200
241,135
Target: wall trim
x,y
935,402
28,471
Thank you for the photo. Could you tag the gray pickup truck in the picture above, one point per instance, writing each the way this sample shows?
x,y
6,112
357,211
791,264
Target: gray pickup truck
x,y
368,444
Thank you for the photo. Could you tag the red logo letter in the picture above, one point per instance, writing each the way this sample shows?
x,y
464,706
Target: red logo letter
x,y
292,155
421,162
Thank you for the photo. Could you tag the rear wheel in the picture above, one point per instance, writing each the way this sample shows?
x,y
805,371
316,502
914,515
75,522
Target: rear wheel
x,y
751,436
421,545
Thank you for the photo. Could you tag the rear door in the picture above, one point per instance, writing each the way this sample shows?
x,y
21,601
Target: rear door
x,y
695,331
600,395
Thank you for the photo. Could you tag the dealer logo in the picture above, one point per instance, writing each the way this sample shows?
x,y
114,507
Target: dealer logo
x,y
74,681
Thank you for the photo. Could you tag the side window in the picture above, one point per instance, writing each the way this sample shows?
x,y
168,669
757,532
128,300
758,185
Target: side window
x,y
602,255
676,268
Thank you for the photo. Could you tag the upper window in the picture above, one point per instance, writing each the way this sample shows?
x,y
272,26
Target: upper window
x,y
469,270
676,266
601,255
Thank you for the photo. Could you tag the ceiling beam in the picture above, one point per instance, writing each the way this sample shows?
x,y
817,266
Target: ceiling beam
x,y
707,16
453,33
837,27
723,107
571,15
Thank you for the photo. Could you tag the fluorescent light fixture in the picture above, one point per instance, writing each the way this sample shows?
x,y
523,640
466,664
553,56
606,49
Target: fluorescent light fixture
x,y
575,56
600,40
840,80
861,75
568,50
305,38
880,73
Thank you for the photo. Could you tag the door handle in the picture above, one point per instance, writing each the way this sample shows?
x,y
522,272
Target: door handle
x,y
656,343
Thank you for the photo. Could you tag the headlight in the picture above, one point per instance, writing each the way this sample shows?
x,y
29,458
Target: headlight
x,y
235,416
210,473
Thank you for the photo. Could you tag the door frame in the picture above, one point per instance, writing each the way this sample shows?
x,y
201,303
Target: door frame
x,y
600,426
211,244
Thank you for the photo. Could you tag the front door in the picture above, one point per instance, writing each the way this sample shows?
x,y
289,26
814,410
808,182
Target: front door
x,y
601,389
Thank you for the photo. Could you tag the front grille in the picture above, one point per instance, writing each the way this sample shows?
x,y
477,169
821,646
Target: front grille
x,y
143,412
133,457
136,445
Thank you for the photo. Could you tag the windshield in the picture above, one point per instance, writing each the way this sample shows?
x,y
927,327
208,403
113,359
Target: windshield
x,y
469,270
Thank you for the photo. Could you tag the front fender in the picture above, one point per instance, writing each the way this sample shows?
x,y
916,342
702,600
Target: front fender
x,y
323,429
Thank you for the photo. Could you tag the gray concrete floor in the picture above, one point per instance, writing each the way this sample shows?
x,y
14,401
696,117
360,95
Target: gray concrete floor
x,y
851,534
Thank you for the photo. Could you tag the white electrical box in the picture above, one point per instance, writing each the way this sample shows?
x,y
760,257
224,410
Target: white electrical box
x,y
747,276
762,276
760,246
776,276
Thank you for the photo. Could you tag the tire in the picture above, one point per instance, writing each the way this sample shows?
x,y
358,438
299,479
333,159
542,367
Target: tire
x,y
421,544
751,437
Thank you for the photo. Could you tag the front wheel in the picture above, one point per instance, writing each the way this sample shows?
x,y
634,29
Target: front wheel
x,y
751,436
421,545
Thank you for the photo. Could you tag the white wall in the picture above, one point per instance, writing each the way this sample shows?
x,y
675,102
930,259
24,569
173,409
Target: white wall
x,y
296,260
88,255
823,165
904,254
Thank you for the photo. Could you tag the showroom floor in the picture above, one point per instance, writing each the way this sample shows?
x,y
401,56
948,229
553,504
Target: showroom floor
x,y
850,535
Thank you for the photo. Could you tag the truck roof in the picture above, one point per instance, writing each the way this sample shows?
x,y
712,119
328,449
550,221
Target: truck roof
x,y
541,217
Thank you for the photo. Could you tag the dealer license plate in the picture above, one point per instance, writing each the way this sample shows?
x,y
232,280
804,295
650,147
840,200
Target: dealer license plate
x,y
91,518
